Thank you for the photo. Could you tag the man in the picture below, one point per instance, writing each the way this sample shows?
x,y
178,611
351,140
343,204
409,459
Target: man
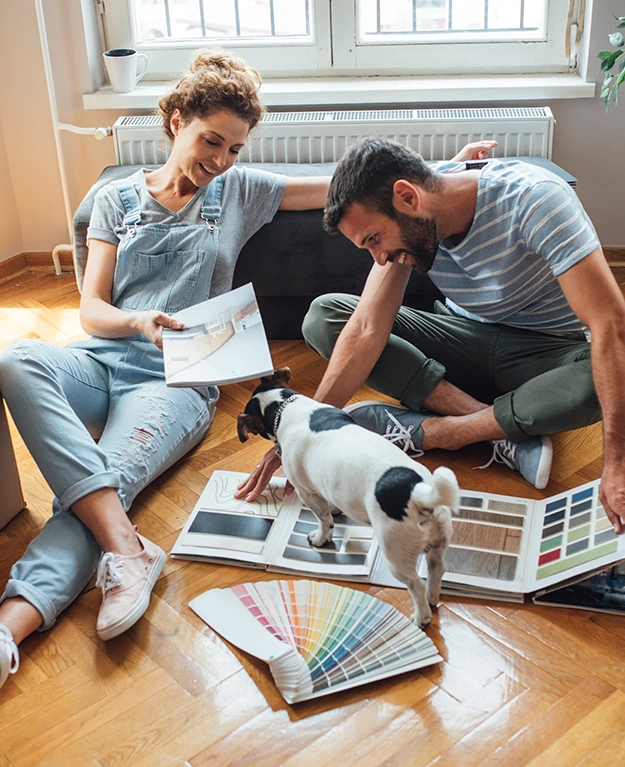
x,y
506,359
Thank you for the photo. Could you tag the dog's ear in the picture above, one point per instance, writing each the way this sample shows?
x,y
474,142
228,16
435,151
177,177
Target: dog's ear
x,y
279,378
248,424
282,375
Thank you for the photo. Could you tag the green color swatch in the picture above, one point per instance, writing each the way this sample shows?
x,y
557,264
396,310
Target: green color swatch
x,y
578,559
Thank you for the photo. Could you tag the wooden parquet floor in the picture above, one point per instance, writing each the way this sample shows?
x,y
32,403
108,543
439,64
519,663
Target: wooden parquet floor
x,y
520,685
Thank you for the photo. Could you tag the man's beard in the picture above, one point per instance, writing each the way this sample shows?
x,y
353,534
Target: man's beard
x,y
419,239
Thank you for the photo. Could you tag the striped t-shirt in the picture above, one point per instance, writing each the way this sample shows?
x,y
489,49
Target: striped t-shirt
x,y
529,228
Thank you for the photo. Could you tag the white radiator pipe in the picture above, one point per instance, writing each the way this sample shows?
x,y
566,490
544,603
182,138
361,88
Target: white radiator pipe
x,y
58,126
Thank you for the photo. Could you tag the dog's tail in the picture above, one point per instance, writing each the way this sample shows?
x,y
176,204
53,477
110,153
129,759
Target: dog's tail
x,y
444,490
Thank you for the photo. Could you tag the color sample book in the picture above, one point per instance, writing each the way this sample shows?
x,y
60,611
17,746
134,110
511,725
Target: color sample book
x,y
520,545
317,637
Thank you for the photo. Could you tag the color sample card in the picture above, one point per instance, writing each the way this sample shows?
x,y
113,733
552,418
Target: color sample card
x,y
486,537
575,531
350,545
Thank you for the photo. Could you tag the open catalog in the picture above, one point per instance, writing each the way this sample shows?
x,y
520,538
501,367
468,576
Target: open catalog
x,y
603,592
502,547
223,341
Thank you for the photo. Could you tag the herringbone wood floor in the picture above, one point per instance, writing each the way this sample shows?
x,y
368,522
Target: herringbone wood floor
x,y
520,684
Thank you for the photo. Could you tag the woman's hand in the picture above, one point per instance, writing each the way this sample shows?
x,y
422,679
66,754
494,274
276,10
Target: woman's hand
x,y
258,480
151,324
477,151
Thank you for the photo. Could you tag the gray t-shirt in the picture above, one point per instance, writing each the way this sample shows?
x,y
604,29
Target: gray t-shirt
x,y
250,199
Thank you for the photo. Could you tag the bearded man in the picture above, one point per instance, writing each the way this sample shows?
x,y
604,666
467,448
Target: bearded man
x,y
507,358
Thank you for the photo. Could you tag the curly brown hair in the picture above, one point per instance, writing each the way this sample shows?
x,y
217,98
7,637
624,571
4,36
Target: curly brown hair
x,y
217,81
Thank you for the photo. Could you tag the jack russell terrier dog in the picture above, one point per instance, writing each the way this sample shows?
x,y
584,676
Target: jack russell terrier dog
x,y
337,466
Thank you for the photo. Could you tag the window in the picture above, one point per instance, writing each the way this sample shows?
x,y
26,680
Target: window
x,y
286,38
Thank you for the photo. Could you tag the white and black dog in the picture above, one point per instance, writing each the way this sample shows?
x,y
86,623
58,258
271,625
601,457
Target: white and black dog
x,y
337,466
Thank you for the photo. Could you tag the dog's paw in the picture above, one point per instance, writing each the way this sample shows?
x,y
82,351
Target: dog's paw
x,y
433,596
318,539
422,620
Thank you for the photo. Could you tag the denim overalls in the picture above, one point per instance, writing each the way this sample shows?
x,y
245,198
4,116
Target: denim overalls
x,y
114,389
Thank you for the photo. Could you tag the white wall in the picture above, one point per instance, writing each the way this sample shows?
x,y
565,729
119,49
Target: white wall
x,y
10,232
587,143
591,144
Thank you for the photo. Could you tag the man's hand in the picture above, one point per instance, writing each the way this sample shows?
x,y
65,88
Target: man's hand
x,y
151,324
258,480
612,495
476,151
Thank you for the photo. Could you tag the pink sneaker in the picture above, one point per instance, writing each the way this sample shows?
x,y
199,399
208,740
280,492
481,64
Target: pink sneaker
x,y
126,583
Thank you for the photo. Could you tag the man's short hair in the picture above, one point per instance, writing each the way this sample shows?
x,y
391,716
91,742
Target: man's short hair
x,y
367,173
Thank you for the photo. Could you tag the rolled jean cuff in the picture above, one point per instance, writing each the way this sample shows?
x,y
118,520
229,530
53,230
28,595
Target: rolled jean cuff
x,y
504,415
89,485
427,378
36,598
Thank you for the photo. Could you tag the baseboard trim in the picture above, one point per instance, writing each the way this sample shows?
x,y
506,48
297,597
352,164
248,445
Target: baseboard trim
x,y
615,256
45,259
15,265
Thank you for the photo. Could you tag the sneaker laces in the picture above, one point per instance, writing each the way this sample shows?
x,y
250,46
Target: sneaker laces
x,y
110,573
504,451
6,639
401,436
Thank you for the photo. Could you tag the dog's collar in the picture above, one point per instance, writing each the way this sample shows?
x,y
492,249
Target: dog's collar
x,y
278,416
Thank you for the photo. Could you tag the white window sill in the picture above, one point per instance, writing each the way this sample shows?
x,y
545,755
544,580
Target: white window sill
x,y
415,91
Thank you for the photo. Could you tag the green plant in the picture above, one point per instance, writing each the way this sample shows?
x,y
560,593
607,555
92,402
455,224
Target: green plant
x,y
613,81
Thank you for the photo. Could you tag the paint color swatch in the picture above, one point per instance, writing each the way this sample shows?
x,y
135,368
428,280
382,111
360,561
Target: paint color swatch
x,y
318,638
574,532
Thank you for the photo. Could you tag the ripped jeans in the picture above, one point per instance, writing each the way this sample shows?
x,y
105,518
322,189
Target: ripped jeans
x,y
61,400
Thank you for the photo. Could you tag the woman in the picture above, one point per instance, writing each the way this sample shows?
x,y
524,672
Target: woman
x,y
152,252
159,241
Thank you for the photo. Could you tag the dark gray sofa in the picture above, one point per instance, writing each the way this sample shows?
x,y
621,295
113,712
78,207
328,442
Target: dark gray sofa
x,y
290,261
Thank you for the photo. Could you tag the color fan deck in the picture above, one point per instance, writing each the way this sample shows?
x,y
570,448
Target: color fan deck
x,y
520,684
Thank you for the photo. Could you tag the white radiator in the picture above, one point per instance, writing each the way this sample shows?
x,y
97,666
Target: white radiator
x,y
311,137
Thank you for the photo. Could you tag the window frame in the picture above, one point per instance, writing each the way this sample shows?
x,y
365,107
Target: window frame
x,y
334,49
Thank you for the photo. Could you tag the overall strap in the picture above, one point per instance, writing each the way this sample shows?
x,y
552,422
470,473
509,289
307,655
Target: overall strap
x,y
130,200
211,209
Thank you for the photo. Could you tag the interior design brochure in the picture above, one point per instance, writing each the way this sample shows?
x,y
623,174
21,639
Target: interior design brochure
x,y
223,341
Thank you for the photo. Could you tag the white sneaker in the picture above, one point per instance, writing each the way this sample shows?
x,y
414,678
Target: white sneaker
x,y
9,654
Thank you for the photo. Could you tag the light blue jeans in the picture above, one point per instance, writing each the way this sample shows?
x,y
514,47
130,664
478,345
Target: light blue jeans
x,y
113,390
60,399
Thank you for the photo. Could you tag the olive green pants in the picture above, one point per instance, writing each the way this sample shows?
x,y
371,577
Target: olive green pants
x,y
539,384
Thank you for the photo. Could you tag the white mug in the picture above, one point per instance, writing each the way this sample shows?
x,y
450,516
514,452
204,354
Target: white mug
x,y
121,66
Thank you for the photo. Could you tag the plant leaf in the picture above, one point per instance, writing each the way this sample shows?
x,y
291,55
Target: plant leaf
x,y
607,64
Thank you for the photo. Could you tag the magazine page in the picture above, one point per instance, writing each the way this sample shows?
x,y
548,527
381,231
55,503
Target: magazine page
x,y
575,538
491,541
222,528
349,556
223,341
603,591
